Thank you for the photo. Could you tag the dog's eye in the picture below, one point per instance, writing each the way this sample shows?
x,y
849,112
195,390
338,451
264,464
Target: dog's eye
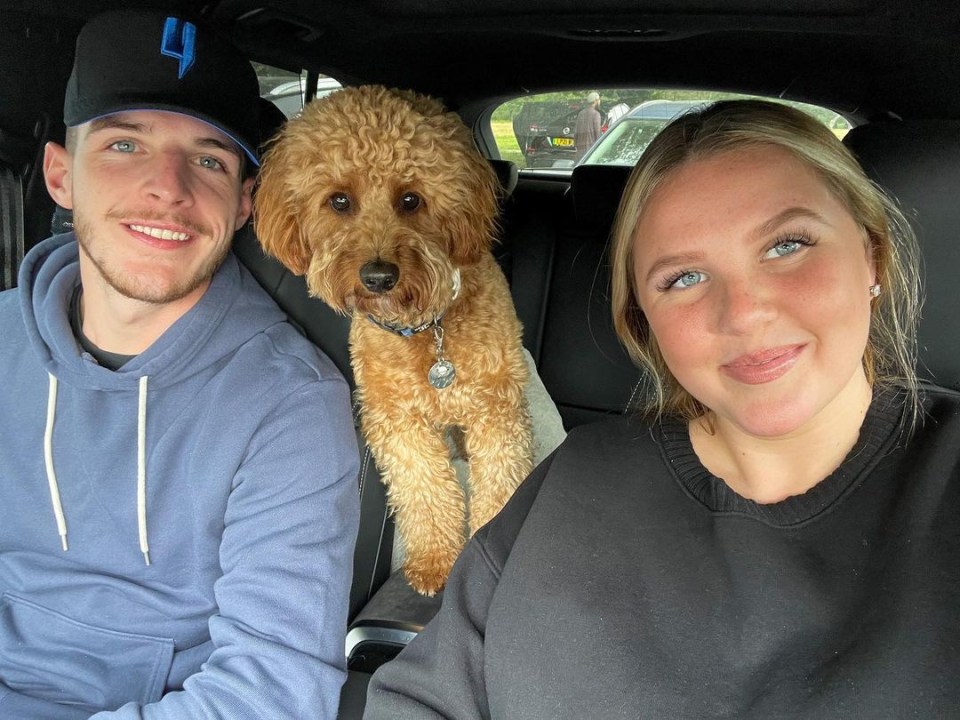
x,y
340,202
410,202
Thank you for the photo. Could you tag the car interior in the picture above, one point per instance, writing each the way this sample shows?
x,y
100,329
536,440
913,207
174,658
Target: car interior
x,y
888,68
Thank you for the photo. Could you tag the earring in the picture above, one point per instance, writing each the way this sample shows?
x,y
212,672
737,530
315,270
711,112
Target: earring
x,y
875,290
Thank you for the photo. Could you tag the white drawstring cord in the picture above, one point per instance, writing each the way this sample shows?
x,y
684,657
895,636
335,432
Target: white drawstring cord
x,y
48,461
142,471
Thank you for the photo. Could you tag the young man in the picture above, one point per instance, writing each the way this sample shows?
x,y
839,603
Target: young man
x,y
178,504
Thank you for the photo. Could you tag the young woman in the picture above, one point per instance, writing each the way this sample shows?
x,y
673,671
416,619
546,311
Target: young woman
x,y
775,535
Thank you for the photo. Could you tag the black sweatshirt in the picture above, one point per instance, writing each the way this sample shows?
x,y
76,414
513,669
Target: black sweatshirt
x,y
624,581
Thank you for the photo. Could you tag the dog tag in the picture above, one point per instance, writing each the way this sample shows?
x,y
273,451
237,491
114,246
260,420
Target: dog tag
x,y
442,373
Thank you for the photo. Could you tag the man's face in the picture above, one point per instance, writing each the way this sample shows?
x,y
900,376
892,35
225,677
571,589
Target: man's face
x,y
156,198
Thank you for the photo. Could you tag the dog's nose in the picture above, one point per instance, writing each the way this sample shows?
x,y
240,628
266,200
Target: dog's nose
x,y
379,276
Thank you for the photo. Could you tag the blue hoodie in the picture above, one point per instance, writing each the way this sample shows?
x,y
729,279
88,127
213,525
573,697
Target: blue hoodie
x,y
225,457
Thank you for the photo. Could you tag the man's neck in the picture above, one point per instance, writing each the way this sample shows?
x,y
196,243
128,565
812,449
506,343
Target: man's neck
x,y
124,326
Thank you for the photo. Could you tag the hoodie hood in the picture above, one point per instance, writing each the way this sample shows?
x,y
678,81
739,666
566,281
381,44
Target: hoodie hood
x,y
221,321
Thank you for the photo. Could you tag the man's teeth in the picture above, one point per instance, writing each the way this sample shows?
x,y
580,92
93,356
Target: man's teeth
x,y
160,234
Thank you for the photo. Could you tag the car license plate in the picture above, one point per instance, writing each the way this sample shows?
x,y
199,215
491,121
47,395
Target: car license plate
x,y
561,142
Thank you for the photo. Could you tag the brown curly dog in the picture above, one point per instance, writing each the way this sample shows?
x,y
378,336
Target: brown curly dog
x,y
380,199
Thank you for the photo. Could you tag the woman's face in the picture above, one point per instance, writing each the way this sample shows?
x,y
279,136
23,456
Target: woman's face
x,y
755,282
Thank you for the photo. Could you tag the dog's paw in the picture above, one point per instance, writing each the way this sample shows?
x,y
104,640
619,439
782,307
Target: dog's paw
x,y
425,583
427,579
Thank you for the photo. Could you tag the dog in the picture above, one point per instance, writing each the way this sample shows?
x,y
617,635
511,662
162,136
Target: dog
x,y
380,199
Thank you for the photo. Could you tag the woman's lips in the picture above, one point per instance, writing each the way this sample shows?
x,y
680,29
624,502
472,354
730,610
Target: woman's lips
x,y
763,366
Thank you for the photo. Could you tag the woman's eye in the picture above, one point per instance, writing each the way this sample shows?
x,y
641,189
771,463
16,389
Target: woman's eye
x,y
124,146
340,202
687,279
783,248
410,202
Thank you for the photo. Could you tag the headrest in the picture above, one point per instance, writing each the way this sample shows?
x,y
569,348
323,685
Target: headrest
x,y
596,191
918,163
507,175
271,120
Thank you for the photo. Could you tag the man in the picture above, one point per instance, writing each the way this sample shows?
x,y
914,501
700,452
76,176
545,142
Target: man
x,y
178,504
588,124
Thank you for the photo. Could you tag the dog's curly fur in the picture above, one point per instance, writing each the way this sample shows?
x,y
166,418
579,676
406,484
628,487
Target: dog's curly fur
x,y
367,175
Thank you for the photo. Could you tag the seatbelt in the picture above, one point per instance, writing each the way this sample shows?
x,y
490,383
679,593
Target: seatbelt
x,y
11,226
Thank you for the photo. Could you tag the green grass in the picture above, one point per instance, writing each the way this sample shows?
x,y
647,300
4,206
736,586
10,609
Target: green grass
x,y
507,142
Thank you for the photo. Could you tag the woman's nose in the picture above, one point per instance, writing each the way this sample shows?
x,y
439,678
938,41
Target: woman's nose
x,y
745,304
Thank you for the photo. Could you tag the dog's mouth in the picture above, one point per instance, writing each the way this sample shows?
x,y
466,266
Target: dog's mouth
x,y
394,308
401,305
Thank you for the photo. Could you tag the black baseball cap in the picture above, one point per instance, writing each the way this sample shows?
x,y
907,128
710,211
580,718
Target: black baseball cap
x,y
145,60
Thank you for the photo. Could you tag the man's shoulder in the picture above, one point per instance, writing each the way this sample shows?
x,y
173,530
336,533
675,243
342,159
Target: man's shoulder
x,y
293,348
286,344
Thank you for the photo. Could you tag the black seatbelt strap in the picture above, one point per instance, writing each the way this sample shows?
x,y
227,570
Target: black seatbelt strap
x,y
11,226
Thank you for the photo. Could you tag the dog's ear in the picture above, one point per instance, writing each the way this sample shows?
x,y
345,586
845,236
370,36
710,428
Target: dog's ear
x,y
275,219
473,228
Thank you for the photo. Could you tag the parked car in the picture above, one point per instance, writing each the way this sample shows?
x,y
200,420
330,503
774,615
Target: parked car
x,y
629,136
614,114
290,96
889,69
544,132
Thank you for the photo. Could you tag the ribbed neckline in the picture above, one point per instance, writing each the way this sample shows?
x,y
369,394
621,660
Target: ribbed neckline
x,y
879,431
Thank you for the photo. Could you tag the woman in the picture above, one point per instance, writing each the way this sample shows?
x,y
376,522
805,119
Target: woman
x,y
775,535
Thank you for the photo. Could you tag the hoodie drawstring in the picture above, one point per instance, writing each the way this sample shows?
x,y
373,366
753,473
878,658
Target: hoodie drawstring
x,y
141,466
48,461
142,471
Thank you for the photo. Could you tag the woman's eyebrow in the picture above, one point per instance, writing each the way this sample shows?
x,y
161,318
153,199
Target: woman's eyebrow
x,y
785,216
671,260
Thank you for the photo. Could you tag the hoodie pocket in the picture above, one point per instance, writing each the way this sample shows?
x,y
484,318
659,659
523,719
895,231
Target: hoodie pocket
x,y
50,656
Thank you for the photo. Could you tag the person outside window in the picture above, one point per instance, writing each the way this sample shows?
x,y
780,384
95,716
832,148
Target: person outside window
x,y
587,129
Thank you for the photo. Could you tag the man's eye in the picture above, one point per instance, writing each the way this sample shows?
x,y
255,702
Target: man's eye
x,y
211,163
340,202
124,146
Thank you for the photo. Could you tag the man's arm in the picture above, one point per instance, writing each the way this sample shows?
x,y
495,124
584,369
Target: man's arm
x,y
286,554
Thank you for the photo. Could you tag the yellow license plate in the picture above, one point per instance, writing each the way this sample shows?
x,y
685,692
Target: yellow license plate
x,y
562,142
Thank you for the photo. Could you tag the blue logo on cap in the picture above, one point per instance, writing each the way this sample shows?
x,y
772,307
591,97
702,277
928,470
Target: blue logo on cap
x,y
179,41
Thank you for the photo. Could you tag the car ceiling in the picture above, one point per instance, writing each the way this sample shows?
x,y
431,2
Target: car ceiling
x,y
865,58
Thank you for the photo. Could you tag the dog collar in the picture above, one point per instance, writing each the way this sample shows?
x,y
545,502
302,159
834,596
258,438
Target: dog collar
x,y
435,322
404,331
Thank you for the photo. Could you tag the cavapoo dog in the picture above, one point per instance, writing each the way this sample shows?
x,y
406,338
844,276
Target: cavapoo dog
x,y
380,199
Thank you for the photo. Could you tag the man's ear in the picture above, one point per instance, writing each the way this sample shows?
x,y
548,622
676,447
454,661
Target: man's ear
x,y
246,202
57,173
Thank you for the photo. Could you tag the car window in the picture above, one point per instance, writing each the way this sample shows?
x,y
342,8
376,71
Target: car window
x,y
539,132
287,90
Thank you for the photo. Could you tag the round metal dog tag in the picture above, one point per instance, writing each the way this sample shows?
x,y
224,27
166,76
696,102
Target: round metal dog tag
x,y
442,373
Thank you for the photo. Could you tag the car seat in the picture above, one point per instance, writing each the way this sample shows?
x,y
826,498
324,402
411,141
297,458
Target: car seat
x,y
918,163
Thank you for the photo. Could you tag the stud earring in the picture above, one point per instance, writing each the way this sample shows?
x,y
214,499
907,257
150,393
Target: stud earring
x,y
875,290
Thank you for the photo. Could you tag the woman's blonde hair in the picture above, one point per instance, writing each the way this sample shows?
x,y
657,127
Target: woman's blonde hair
x,y
889,358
